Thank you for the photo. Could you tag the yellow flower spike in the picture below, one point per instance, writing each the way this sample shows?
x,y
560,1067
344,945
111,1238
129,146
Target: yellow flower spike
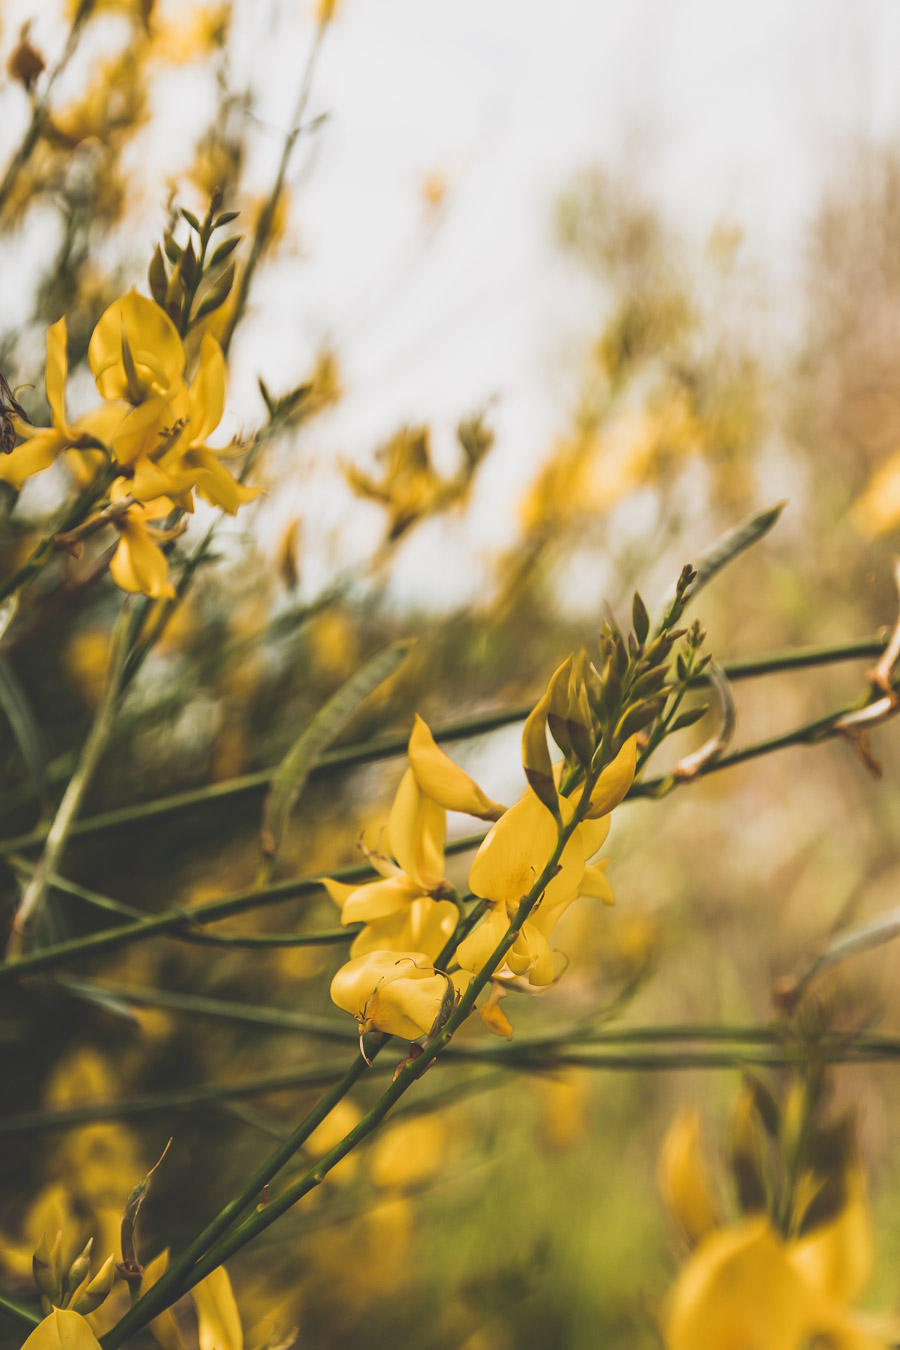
x,y
139,327
415,834
62,1330
164,1328
739,1292
397,992
612,786
445,782
423,926
219,1323
683,1180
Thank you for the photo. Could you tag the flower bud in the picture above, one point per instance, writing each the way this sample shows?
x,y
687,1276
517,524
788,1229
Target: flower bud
x,y
88,1299
45,1267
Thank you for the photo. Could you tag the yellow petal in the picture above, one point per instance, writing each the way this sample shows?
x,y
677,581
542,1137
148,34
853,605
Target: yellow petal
x,y
215,484
396,992
595,883
739,1292
154,342
140,431
408,1152
474,950
33,456
163,1328
56,373
614,781
515,852
338,890
217,1314
443,781
593,834
415,833
530,955
683,1179
493,1016
207,391
138,565
422,926
62,1330
837,1259
379,899
536,755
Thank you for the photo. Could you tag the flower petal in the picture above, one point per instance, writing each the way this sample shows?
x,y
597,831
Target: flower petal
x,y
207,392
219,1322
615,780
138,564
443,781
56,373
415,833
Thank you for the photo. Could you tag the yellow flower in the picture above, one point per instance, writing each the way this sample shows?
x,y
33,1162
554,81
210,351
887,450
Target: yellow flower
x,y
173,461
504,870
139,564
135,352
397,992
683,1179
42,445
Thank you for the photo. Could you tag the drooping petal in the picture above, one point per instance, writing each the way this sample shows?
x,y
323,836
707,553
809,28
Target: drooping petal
x,y
339,891
207,392
57,372
138,564
379,899
219,1322
530,955
595,883
32,456
415,833
214,483
445,782
614,781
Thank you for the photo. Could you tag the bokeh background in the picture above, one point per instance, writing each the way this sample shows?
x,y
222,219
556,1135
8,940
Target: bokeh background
x,y
574,288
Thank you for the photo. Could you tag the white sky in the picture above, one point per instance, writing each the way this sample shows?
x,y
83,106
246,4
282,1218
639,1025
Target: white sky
x,y
727,112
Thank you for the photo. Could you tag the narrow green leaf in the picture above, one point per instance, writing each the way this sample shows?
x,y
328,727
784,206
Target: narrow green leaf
x,y
733,543
218,294
29,739
687,719
224,250
191,219
224,218
156,275
289,779
640,618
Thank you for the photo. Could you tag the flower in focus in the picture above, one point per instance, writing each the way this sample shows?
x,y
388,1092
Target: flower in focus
x,y
139,564
135,352
397,992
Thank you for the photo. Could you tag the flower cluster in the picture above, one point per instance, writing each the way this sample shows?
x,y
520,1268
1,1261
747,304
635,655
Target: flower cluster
x,y
391,983
144,446
786,1273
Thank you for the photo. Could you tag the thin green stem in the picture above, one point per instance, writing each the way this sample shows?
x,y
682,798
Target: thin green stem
x,y
174,920
347,756
18,1312
58,834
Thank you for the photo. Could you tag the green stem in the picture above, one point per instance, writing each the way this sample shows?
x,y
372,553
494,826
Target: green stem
x,y
174,920
19,1313
58,834
347,756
